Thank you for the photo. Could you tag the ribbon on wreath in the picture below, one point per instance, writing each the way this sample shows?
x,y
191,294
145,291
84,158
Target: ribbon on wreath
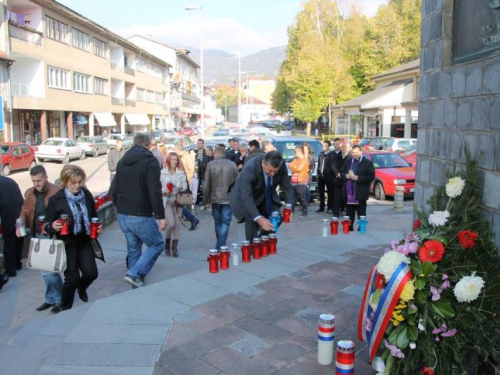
x,y
385,308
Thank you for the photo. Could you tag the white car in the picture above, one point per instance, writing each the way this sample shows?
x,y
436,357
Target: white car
x,y
399,144
112,138
63,149
94,146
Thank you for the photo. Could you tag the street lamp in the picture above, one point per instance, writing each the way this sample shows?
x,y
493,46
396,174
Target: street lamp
x,y
190,7
225,107
239,89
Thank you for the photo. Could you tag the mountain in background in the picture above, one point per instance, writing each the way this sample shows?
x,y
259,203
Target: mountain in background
x,y
222,66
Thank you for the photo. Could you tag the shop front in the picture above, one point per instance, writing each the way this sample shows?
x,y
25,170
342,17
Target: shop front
x,y
28,126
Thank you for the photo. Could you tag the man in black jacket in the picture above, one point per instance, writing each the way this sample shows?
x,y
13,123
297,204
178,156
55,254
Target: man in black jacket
x,y
327,170
253,196
11,201
137,194
357,174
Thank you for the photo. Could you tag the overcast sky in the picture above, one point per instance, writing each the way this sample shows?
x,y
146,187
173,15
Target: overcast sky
x,y
244,26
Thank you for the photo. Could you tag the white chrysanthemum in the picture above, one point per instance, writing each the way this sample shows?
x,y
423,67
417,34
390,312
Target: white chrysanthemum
x,y
454,187
438,218
468,288
413,345
389,262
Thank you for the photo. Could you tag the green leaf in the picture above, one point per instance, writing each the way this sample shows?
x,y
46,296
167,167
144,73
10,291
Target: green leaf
x,y
403,340
440,238
416,267
420,284
428,268
421,297
443,308
394,334
388,365
412,333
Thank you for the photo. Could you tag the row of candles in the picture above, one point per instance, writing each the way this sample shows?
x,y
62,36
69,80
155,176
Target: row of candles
x,y
101,199
64,220
344,363
335,222
259,247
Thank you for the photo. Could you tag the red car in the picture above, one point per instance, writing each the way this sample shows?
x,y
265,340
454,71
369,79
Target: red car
x,y
410,155
391,170
187,131
16,156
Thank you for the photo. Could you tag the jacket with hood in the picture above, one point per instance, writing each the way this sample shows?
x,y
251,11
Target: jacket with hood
x,y
136,188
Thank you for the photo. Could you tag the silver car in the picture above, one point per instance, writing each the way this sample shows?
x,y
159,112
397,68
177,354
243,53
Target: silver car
x,y
63,149
94,146
111,140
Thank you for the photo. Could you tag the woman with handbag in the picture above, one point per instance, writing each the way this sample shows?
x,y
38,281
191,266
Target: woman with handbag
x,y
173,183
73,202
300,173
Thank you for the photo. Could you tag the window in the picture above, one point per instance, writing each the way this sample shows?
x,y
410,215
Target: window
x,y
141,65
151,69
81,82
59,78
81,40
26,150
56,30
141,95
100,48
100,86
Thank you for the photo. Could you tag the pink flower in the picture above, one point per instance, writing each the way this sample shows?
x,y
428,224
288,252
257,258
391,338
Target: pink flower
x,y
437,331
450,333
395,352
436,294
413,247
445,276
368,325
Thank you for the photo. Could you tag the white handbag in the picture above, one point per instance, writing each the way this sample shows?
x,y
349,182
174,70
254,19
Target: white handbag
x,y
47,255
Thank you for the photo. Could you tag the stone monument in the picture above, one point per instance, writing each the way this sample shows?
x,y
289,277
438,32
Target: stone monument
x,y
459,96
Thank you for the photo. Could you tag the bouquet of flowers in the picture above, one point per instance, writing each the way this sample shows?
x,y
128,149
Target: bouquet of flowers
x,y
432,303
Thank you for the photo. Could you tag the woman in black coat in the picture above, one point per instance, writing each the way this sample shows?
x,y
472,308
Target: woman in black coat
x,y
358,174
76,202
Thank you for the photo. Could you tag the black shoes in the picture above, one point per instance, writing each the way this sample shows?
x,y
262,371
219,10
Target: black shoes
x,y
194,225
320,210
4,279
19,266
44,306
83,295
56,309
11,273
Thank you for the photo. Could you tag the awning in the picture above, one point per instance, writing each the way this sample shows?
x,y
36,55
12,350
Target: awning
x,y
105,119
195,111
137,119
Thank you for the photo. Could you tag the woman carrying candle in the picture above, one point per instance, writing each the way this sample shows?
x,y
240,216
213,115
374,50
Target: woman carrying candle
x,y
173,180
75,201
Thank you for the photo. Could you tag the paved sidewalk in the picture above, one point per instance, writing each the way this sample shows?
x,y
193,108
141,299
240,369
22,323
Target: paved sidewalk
x,y
122,331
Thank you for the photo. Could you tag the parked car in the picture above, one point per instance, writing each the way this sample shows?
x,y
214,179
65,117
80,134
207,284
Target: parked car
x,y
16,156
94,146
391,170
111,141
171,142
187,131
410,155
259,130
221,132
288,125
63,149
156,134
399,144
286,146
375,143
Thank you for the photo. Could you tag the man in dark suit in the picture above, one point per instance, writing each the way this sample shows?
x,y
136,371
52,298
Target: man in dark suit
x,y
11,201
342,156
357,175
253,195
327,170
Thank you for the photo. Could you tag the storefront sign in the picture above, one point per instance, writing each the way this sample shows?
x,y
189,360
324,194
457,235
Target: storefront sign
x,y
476,29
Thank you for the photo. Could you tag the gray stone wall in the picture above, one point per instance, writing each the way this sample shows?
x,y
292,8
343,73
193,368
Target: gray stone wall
x,y
459,105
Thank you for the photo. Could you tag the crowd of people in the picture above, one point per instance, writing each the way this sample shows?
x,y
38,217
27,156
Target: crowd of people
x,y
155,189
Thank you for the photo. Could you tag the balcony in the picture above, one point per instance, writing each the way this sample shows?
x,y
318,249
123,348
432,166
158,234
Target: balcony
x,y
21,89
115,65
130,103
25,33
118,101
130,71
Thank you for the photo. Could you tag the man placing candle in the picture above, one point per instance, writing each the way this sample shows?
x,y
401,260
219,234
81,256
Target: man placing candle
x,y
358,174
254,197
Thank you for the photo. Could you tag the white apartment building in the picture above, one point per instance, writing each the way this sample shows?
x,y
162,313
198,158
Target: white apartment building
x,y
72,76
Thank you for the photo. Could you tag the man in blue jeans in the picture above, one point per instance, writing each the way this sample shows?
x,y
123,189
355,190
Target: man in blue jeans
x,y
219,176
136,191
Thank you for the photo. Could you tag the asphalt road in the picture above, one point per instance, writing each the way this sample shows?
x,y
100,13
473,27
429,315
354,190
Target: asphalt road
x,y
95,168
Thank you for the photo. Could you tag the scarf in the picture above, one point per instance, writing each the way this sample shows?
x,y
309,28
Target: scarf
x,y
351,185
81,212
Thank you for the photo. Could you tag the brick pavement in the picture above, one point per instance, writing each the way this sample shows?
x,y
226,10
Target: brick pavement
x,y
256,314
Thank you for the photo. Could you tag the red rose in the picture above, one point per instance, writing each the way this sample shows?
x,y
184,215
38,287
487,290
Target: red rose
x,y
427,371
467,239
379,281
416,224
432,251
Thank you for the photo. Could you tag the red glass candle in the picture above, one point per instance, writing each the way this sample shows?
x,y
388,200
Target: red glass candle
x,y
334,226
287,213
245,252
346,223
65,225
225,254
265,245
213,261
257,248
273,242
170,187
96,202
40,222
94,227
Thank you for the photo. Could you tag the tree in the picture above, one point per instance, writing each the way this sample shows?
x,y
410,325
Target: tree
x,y
226,95
281,98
